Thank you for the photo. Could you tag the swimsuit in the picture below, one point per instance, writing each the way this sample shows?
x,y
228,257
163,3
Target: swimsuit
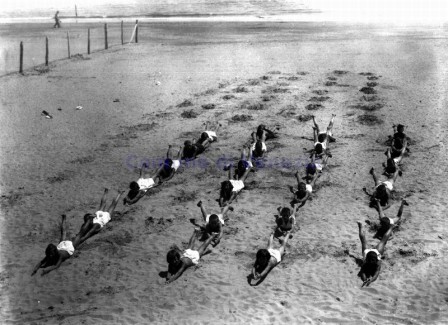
x,y
247,164
211,135
102,218
146,183
192,255
388,184
309,188
175,165
263,146
220,216
324,145
366,251
237,185
275,254
67,246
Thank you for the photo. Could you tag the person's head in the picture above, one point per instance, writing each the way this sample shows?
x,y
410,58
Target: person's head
x,y
321,137
134,188
285,213
188,150
167,164
382,194
214,222
391,166
173,257
241,168
262,260
319,148
311,169
51,254
384,223
301,190
204,137
258,152
226,190
400,128
371,258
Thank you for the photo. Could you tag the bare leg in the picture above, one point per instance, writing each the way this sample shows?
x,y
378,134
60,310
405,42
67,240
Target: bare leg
x,y
179,154
246,172
380,209
103,200
394,177
92,232
243,154
282,248
316,127
400,211
85,226
362,237
225,210
375,179
204,213
114,203
297,177
63,227
330,125
217,128
203,247
169,154
192,240
270,241
230,172
313,181
263,136
382,244
206,126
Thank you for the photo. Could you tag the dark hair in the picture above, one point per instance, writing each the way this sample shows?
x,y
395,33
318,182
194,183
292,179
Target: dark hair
x,y
134,186
262,260
213,218
241,168
371,255
189,149
381,194
172,256
167,164
400,127
301,191
86,216
385,222
204,136
226,190
319,148
311,168
51,254
285,211
260,130
321,137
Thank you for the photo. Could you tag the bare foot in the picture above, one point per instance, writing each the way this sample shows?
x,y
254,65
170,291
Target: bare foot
x,y
359,224
372,170
404,202
199,204
106,190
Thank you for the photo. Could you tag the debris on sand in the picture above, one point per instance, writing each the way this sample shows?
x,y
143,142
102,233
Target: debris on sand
x,y
330,83
369,120
369,98
208,106
320,92
227,97
340,72
319,99
304,117
313,107
241,118
372,78
367,90
241,89
369,107
189,114
46,114
332,78
372,84
253,106
185,103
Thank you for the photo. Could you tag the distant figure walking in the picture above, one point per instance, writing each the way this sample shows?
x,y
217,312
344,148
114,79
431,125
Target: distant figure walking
x,y
57,21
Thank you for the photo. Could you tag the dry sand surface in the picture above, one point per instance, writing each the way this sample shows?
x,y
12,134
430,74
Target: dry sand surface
x,y
251,73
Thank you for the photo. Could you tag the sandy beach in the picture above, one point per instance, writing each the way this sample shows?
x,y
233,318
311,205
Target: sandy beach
x,y
139,98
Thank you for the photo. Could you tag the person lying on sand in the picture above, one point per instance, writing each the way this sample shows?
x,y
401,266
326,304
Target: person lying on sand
x,y
386,222
268,258
213,223
55,255
392,164
165,172
269,134
399,135
231,187
382,189
304,190
286,221
322,139
243,164
94,223
315,166
371,257
192,149
179,261
258,146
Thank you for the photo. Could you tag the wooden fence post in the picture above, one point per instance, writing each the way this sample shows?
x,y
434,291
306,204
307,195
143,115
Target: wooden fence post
x,y
46,51
105,36
68,45
88,40
122,41
21,58
136,31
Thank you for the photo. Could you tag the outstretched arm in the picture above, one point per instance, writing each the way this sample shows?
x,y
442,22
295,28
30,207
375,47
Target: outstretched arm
x,y
63,228
54,267
380,209
204,213
170,278
39,265
368,281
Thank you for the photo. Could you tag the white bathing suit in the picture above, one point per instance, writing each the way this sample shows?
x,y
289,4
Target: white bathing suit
x,y
237,185
211,135
324,145
249,164
319,167
263,146
396,160
102,218
391,221
275,254
220,216
309,188
67,246
366,251
192,255
176,164
388,185
145,183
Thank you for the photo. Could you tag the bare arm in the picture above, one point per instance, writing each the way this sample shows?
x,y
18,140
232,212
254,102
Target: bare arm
x,y
135,199
368,281
268,268
54,267
38,266
171,278
169,177
380,209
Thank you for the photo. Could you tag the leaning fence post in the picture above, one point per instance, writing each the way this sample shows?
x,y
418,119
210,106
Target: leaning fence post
x,y
136,31
46,51
122,41
105,36
21,58
88,40
68,45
